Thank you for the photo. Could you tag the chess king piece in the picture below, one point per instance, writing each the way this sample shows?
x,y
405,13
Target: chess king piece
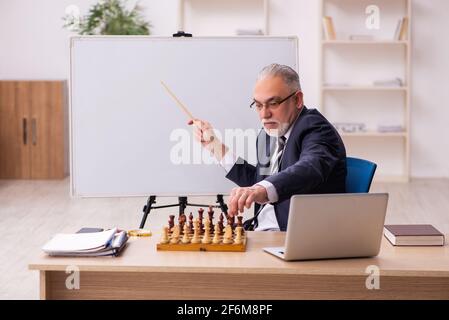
x,y
200,216
210,213
238,235
175,234
196,232
216,238
206,237
227,238
186,238
164,238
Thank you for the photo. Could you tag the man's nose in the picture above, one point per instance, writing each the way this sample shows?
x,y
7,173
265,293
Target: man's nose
x,y
265,113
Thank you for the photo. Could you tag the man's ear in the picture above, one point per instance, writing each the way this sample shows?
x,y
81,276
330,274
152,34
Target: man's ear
x,y
299,101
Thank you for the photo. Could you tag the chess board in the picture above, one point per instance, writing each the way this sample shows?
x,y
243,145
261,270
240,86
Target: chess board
x,y
232,247
203,234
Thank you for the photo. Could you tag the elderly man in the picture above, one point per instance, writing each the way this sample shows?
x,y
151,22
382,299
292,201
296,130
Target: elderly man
x,y
299,152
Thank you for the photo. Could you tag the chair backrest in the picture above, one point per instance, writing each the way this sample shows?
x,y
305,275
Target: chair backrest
x,y
359,175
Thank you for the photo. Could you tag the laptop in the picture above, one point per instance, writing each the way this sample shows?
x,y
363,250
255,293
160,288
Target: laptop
x,y
328,226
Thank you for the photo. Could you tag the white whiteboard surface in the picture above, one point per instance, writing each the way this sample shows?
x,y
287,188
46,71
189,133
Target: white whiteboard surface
x,y
125,128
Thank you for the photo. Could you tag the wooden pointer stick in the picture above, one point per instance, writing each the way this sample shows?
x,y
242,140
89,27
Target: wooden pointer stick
x,y
206,134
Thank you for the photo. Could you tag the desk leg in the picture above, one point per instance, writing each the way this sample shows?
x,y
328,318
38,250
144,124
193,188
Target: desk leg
x,y
43,285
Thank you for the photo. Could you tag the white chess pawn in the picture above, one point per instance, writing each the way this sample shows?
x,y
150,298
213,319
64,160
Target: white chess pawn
x,y
196,235
206,237
186,238
216,238
238,235
175,235
164,238
227,238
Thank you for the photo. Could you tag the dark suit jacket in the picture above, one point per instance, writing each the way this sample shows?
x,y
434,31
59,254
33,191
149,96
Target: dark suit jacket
x,y
313,161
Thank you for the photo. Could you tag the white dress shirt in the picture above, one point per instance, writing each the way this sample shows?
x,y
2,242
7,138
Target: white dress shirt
x,y
267,218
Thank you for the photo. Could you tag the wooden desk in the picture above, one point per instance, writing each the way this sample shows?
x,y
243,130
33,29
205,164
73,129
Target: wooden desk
x,y
144,273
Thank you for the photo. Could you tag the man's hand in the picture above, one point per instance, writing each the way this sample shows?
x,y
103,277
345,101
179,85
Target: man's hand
x,y
204,133
241,198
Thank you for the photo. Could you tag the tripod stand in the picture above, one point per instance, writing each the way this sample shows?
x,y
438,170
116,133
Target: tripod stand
x,y
182,204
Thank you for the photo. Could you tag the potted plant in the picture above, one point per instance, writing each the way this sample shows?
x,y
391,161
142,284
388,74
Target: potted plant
x,y
109,17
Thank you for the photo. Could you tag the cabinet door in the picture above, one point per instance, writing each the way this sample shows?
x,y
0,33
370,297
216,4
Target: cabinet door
x,y
14,129
47,130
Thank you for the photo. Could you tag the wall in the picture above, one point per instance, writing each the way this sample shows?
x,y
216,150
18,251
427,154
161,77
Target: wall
x,y
33,45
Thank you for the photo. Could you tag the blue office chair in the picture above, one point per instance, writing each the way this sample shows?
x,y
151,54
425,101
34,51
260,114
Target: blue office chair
x,y
359,175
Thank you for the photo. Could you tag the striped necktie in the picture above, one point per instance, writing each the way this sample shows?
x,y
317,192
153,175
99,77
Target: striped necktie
x,y
274,168
277,156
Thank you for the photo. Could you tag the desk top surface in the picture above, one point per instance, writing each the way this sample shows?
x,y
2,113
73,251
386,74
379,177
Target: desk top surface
x,y
141,255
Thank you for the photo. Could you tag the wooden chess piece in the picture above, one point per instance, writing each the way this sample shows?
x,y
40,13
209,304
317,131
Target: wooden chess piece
x,y
182,220
211,218
200,217
164,238
238,235
196,232
190,223
240,221
221,222
171,222
216,238
206,237
227,238
186,238
175,235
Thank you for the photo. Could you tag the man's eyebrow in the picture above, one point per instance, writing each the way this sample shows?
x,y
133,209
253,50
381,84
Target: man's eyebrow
x,y
269,99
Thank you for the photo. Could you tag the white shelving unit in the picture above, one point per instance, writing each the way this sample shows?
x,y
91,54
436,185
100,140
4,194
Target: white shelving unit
x,y
263,3
383,148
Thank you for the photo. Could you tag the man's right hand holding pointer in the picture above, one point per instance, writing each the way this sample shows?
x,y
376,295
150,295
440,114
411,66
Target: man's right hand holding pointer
x,y
204,133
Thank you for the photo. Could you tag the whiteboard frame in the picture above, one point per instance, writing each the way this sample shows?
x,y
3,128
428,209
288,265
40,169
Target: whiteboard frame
x,y
72,39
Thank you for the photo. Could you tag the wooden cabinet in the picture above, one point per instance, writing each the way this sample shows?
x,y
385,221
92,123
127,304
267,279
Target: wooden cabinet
x,y
33,130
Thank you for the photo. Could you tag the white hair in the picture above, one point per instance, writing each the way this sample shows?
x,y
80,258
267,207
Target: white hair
x,y
288,75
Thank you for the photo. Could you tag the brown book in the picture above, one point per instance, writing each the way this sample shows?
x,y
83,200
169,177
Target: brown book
x,y
413,235
329,30
403,35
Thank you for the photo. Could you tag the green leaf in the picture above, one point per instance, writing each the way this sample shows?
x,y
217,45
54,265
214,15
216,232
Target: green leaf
x,y
110,17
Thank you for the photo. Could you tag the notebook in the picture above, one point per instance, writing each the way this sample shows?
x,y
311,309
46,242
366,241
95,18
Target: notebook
x,y
413,235
109,242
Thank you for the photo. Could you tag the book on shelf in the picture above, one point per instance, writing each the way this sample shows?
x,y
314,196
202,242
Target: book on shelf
x,y
361,37
401,32
393,82
249,32
398,30
329,29
105,243
349,127
413,235
390,128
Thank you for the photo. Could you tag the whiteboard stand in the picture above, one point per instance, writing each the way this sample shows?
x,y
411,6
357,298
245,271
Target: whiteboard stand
x,y
182,204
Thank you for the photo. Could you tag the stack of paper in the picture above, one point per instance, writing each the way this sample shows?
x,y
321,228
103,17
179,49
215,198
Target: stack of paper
x,y
104,243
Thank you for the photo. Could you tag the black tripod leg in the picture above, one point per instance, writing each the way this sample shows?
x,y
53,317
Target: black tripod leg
x,y
223,206
182,205
146,210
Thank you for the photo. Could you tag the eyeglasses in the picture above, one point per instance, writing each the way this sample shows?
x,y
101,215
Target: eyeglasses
x,y
272,105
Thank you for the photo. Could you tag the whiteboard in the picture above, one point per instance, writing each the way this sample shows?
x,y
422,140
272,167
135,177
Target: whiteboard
x,y
127,135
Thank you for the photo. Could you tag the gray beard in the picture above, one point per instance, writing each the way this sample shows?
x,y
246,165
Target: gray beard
x,y
276,133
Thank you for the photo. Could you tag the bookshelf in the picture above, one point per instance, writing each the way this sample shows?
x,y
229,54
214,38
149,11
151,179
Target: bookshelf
x,y
348,70
253,13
